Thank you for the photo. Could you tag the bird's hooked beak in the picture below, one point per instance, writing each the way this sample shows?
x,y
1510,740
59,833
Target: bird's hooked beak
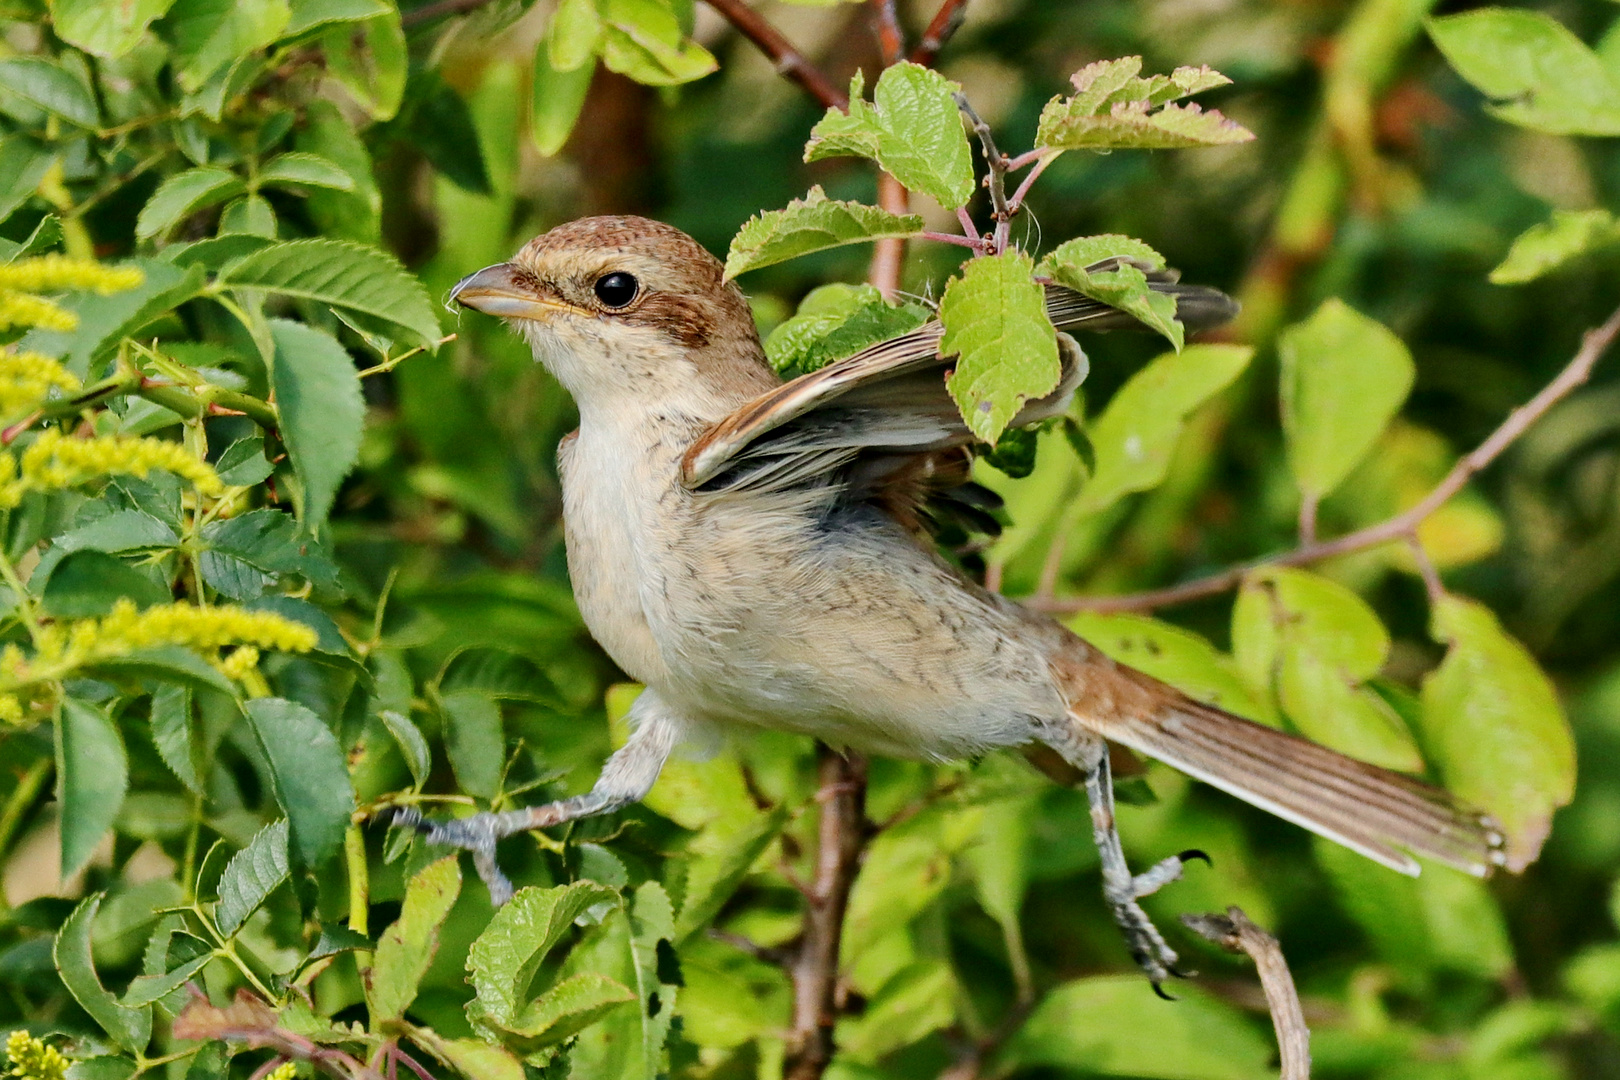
x,y
504,290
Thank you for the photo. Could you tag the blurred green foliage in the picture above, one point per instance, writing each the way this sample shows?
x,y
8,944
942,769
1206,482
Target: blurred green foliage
x,y
258,160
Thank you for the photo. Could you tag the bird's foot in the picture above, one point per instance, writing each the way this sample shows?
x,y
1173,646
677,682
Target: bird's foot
x,y
1147,946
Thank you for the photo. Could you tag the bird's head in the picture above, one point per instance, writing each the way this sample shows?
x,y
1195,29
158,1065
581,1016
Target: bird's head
x,y
624,308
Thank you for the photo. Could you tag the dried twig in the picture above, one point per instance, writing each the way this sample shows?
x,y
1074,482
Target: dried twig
x,y
996,181
1234,932
790,62
941,28
842,838
250,1021
1579,369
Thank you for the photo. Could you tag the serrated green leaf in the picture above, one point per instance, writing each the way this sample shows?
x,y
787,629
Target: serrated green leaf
x,y
406,948
309,14
1494,726
473,1058
243,464
171,717
412,746
715,871
558,97
1344,377
1315,643
1096,1024
1543,248
251,876
182,195
86,584
322,412
348,215
435,120
208,36
1540,74
569,1007
50,87
365,282
145,989
835,321
164,663
652,932
475,741
298,167
517,940
23,164
308,772
131,1029
1005,347
643,39
1123,285
371,60
912,128
1114,109
813,223
104,321
258,548
1138,431
92,775
252,216
105,29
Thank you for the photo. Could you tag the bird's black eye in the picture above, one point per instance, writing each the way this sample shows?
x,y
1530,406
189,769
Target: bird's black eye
x,y
616,290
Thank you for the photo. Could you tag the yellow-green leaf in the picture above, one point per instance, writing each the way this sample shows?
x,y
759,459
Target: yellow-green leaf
x,y
1123,285
1543,248
407,947
1005,347
1114,109
813,223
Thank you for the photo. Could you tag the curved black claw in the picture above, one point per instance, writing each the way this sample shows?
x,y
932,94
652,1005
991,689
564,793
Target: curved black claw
x,y
1193,853
1178,973
1157,989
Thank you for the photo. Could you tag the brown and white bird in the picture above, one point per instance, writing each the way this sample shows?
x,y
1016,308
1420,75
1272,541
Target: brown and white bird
x,y
753,552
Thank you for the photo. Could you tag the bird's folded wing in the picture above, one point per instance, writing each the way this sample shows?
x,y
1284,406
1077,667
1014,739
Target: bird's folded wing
x,y
890,401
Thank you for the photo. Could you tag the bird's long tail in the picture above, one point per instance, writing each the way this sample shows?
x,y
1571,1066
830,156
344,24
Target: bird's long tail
x,y
1381,814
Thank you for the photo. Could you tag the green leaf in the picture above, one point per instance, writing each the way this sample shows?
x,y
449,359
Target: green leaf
x,y
171,717
473,1058
322,412
714,873
1493,724
1114,109
249,551
105,29
436,121
104,321
145,989
1179,657
251,876
412,746
558,97
243,464
643,39
51,87
164,663
835,321
1539,73
309,14
308,772
371,61
207,36
1005,347
352,215
1123,285
130,1029
1543,248
912,128
573,35
23,164
406,948
88,583
1316,643
652,932
252,216
1344,377
1100,1025
92,774
1138,431
813,223
365,282
508,952
569,1007
918,1000
297,167
474,740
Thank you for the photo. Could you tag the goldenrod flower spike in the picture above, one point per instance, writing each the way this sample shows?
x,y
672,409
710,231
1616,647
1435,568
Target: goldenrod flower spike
x,y
58,273
33,1059
55,461
285,1071
25,309
26,380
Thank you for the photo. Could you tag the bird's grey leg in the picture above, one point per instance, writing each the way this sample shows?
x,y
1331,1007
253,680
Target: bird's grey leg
x,y
1121,888
626,777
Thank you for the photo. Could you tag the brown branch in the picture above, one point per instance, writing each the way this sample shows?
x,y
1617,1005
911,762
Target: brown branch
x,y
1579,369
790,62
841,840
1235,933
996,162
941,28
443,8
891,39
889,256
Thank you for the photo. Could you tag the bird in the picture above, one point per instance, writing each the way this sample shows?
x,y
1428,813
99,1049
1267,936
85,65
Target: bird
x,y
758,554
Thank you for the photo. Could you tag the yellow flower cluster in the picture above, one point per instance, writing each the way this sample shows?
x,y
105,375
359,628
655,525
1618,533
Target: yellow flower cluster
x,y
55,461
21,281
63,647
243,661
285,1071
11,710
32,1059
55,273
27,378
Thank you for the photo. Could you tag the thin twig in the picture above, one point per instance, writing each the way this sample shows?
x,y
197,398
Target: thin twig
x,y
1579,369
996,162
1307,518
1234,932
841,840
1016,203
941,28
951,238
1431,573
891,39
790,62
442,9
